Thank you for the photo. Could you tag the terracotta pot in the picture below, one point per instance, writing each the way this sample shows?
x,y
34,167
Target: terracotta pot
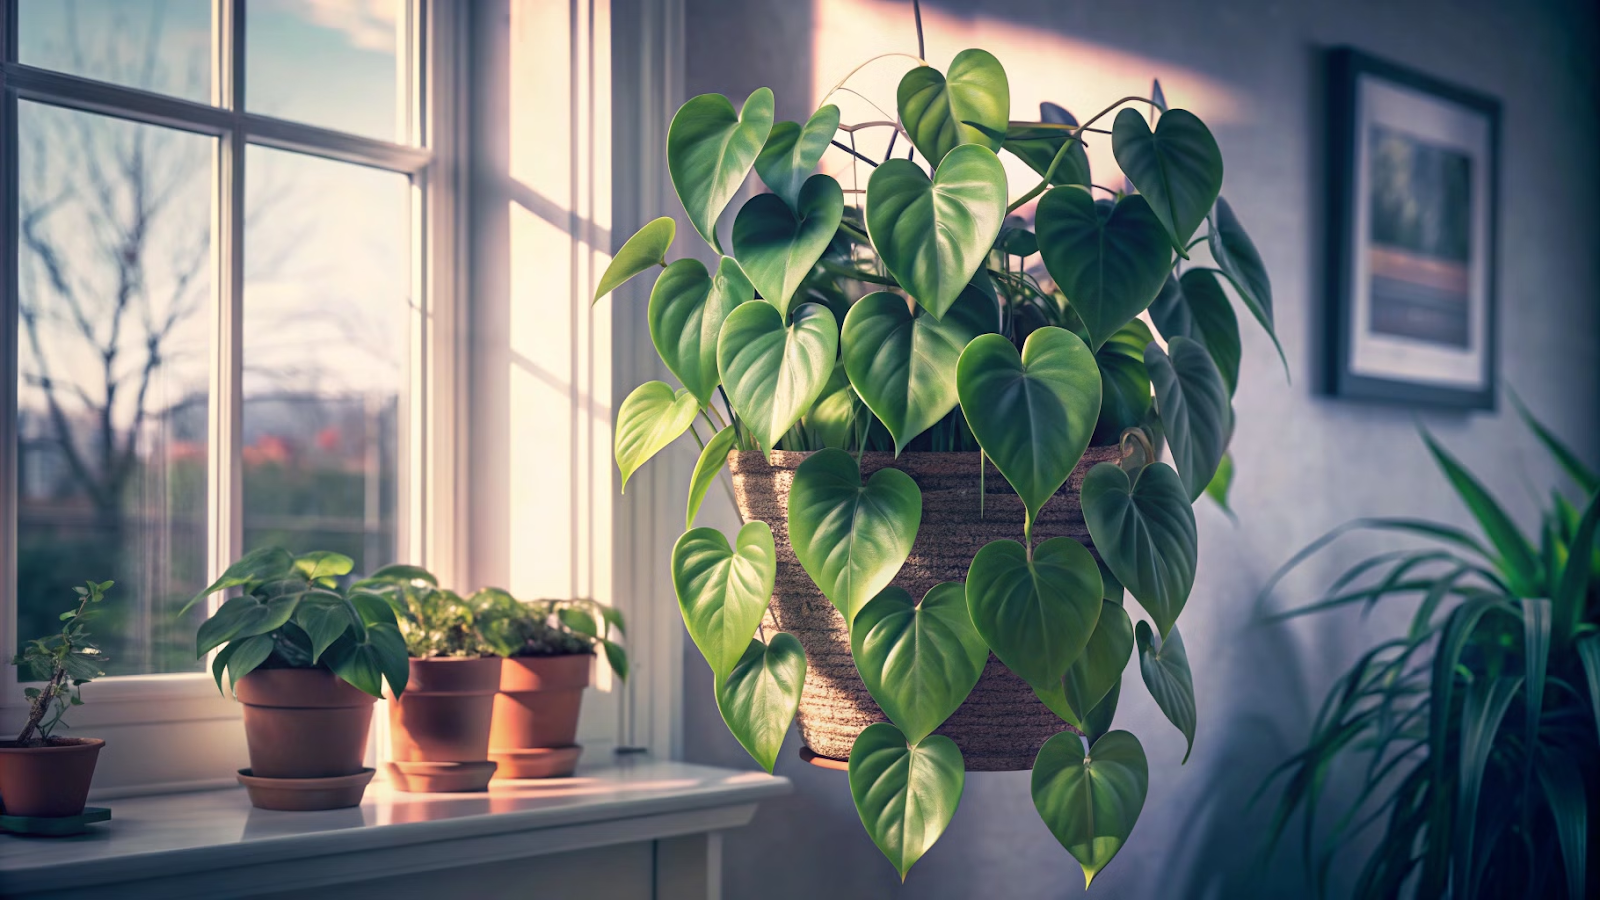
x,y
1002,724
48,781
444,716
302,794
536,715
304,723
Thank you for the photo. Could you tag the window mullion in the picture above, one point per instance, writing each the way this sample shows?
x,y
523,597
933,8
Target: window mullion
x,y
225,483
8,350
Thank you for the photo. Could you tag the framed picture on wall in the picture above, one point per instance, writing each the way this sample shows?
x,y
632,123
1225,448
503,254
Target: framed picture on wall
x,y
1412,170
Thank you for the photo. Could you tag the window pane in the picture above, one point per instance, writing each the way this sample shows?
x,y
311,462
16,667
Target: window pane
x,y
155,45
114,301
327,286
333,63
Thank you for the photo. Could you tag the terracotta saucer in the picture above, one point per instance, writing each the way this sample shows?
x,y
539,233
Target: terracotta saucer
x,y
823,762
301,794
536,762
442,777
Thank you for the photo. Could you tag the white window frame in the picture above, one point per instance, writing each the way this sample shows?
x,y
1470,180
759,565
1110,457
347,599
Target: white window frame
x,y
431,520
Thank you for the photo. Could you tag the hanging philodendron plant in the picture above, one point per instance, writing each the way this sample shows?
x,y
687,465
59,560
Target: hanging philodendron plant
x,y
839,340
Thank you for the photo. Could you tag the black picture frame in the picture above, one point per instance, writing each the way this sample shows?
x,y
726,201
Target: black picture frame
x,y
1346,70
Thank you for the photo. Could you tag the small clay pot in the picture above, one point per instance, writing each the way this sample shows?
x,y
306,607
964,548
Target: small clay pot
x,y
536,715
304,723
301,794
444,716
47,781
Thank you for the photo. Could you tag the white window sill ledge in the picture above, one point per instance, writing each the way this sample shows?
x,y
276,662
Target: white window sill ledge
x,y
213,844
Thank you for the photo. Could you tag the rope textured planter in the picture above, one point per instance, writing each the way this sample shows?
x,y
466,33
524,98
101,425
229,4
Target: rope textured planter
x,y
1002,724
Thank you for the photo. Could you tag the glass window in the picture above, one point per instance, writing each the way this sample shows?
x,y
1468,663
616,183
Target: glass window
x,y
114,298
327,292
333,63
154,45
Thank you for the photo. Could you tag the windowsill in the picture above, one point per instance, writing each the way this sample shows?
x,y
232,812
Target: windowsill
x,y
214,844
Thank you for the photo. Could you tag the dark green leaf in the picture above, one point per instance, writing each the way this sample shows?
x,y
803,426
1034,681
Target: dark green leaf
x,y
772,372
778,247
243,617
851,538
710,150
259,565
919,660
706,469
1236,256
1038,146
687,309
579,621
1110,259
1515,553
723,591
1124,382
792,153
1484,706
1165,667
1565,792
651,417
1588,648
1193,403
247,656
1091,802
1035,614
906,796
1569,461
1536,660
1572,586
1178,166
935,108
1195,306
759,698
1099,667
1144,530
648,247
324,616
616,657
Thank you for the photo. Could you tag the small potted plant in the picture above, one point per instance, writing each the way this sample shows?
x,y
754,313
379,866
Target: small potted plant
x,y
41,775
547,646
439,732
307,659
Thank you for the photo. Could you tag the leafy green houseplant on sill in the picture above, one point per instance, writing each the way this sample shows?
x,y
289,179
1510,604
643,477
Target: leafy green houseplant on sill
x,y
307,659
547,647
963,607
439,732
43,775
1477,728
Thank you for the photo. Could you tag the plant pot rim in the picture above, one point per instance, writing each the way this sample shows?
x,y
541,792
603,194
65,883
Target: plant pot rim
x,y
452,659
307,784
534,656
55,745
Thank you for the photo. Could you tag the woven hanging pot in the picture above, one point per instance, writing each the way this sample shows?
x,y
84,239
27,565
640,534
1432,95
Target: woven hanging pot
x,y
1002,725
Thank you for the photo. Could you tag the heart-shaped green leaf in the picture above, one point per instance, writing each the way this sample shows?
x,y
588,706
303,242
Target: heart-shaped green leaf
x,y
773,373
1110,259
1035,614
851,538
1032,414
687,309
242,617
1236,256
831,421
1100,665
902,361
723,592
934,108
1099,720
933,235
778,247
1195,306
706,469
759,698
1217,490
1144,530
710,150
792,153
1124,382
1037,146
919,660
651,417
648,247
1091,802
325,616
906,796
1195,413
1177,167
1166,674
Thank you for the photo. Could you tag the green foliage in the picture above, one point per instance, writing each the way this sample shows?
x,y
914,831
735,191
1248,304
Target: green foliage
x,y
546,627
1474,726
648,247
65,662
435,621
916,317
1090,801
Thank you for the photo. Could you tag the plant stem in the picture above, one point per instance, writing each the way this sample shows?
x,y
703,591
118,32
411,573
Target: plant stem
x,y
856,233
852,151
916,10
1191,245
696,435
1049,173
852,73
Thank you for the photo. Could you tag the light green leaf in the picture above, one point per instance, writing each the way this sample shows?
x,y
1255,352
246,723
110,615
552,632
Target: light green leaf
x,y
933,235
1515,553
648,247
1570,462
919,660
319,564
1165,667
777,247
1091,802
616,658
1145,532
1110,259
1217,490
710,151
1195,306
832,419
906,796
774,373
1236,256
1195,413
1124,382
934,107
851,538
1099,667
792,153
1177,167
651,417
759,697
902,361
723,591
687,309
1035,614
706,469
260,565
1032,414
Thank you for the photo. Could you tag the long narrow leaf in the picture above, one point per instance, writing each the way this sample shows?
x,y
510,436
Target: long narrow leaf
x,y
1521,563
1589,651
1564,790
1484,708
1563,454
1572,589
1536,659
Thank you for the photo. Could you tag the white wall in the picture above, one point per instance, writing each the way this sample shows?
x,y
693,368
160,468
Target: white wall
x,y
1305,462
